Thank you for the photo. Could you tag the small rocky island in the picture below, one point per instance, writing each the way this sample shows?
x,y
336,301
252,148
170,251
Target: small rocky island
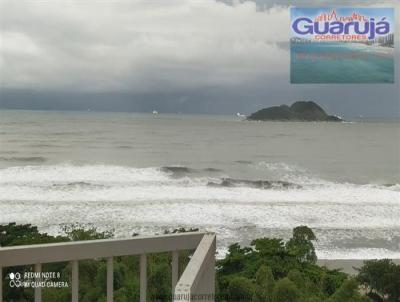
x,y
298,111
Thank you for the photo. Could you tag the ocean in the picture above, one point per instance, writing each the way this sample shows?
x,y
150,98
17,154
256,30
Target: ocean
x,y
339,62
139,173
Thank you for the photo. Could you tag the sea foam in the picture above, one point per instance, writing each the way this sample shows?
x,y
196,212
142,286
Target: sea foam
x,y
148,200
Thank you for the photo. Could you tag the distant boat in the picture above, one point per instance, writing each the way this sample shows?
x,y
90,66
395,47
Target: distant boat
x,y
240,115
155,112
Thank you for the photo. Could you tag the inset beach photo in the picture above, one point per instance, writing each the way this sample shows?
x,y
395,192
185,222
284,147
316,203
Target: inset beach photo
x,y
342,45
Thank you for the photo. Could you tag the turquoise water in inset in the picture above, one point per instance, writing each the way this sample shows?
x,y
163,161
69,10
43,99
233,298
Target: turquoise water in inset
x,y
338,62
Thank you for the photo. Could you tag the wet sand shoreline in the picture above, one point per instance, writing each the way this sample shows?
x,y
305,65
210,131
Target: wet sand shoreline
x,y
346,265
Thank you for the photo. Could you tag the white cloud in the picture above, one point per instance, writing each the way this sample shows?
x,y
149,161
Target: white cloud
x,y
139,46
16,43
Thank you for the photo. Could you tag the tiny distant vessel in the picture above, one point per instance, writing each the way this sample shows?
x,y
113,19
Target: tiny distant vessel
x,y
240,115
155,112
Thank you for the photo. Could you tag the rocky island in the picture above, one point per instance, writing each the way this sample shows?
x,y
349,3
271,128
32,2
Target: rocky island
x,y
298,111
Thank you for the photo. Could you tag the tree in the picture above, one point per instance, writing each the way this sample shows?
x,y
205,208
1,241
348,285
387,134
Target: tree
x,y
301,246
240,289
381,277
22,234
76,232
273,252
264,285
285,291
392,280
348,292
235,259
296,277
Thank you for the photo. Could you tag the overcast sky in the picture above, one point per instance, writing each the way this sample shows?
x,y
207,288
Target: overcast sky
x,y
201,56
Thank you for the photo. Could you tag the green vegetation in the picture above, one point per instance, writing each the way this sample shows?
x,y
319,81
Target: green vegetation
x,y
382,279
277,271
270,270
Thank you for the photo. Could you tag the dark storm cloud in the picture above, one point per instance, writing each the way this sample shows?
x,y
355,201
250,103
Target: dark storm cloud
x,y
139,46
185,56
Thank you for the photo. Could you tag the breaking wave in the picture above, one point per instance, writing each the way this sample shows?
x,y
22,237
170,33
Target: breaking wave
x,y
147,200
36,159
172,183
258,184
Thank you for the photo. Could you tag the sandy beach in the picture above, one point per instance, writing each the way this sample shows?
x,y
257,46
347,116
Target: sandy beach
x,y
346,265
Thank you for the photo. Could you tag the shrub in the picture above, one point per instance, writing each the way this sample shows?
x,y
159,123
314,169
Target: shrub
x,y
348,292
264,285
285,291
240,289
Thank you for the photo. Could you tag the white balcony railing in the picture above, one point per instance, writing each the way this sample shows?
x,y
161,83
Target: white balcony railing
x,y
197,282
